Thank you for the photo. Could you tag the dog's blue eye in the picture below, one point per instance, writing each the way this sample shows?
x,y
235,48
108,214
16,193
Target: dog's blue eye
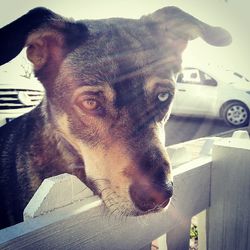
x,y
162,97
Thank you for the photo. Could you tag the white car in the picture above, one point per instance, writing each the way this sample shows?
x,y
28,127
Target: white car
x,y
18,96
213,93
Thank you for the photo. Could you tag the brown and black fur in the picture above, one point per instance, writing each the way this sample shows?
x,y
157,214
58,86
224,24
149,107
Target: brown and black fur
x,y
121,66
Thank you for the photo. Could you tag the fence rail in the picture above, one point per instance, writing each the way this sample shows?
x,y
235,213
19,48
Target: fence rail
x,y
218,183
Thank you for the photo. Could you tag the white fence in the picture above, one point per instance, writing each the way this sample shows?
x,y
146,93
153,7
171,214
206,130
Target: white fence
x,y
217,182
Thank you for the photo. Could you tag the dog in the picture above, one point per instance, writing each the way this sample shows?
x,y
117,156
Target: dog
x,y
108,86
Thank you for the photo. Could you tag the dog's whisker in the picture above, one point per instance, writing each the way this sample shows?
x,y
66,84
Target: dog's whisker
x,y
107,192
173,205
101,179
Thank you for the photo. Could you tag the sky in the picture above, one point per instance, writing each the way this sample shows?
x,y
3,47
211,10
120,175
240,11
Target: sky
x,y
233,15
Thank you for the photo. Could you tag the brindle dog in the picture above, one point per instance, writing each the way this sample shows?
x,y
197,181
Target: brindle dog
x,y
109,86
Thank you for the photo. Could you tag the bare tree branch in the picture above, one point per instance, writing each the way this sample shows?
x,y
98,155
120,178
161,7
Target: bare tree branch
x,y
27,69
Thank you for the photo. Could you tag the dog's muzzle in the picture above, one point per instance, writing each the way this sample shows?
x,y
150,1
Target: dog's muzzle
x,y
151,198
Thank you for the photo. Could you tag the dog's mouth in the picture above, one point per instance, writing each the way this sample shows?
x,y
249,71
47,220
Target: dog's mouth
x,y
133,201
152,208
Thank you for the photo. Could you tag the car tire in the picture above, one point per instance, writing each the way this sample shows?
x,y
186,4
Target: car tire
x,y
236,114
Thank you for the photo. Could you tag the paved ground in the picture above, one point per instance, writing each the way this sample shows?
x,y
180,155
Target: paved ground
x,y
180,129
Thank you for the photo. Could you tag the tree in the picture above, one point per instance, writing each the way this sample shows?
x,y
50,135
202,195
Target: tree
x,y
27,68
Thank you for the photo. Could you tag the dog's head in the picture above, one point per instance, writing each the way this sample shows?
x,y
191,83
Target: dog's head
x,y
109,86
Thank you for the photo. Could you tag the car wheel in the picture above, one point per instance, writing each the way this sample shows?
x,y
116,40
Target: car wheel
x,y
236,114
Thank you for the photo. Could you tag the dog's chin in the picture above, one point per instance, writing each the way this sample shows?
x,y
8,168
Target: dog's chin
x,y
128,209
134,212
137,212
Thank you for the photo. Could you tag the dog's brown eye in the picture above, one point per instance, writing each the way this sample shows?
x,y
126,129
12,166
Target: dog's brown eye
x,y
90,104
87,103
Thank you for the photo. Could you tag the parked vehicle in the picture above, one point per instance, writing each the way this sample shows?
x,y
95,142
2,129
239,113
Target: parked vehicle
x,y
213,93
18,96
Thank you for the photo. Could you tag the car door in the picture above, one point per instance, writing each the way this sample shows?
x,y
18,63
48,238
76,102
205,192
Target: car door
x,y
196,93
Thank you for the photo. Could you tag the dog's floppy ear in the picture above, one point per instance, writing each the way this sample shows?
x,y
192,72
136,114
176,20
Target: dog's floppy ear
x,y
182,25
40,30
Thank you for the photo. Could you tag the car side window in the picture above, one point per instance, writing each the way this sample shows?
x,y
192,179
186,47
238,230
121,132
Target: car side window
x,y
207,80
189,76
195,76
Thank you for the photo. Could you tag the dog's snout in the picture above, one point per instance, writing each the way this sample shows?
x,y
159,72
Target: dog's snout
x,y
151,197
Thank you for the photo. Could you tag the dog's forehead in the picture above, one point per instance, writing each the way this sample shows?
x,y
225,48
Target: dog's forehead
x,y
119,49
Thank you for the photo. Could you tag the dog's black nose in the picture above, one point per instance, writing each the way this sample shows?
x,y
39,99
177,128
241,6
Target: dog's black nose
x,y
151,197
